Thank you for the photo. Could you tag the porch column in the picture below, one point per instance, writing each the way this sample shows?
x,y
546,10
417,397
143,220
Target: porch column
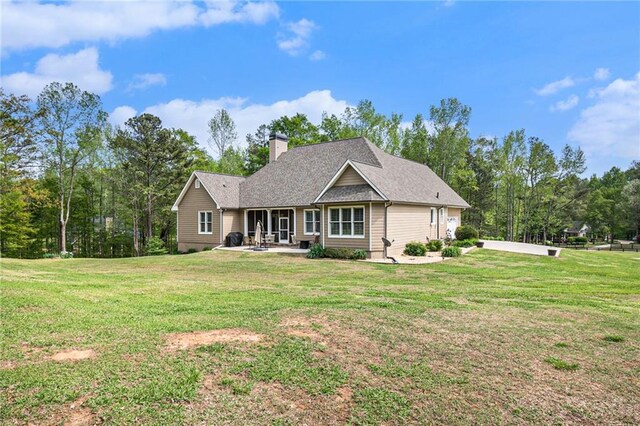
x,y
268,222
246,223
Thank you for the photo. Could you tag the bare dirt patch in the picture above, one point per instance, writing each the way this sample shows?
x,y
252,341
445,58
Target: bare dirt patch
x,y
201,338
74,355
7,365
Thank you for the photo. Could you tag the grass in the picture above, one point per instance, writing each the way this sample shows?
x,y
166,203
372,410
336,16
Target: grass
x,y
559,364
485,338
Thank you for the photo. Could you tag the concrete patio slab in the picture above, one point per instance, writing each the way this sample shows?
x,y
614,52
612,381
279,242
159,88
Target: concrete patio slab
x,y
275,249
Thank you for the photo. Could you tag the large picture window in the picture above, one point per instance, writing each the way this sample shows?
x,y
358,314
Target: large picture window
x,y
346,222
205,222
311,222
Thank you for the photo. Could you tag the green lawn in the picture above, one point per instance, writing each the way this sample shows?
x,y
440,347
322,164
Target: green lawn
x,y
487,338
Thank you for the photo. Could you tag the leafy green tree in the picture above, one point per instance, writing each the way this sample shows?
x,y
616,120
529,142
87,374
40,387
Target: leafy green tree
x,y
297,128
222,132
257,153
415,141
70,130
450,141
155,162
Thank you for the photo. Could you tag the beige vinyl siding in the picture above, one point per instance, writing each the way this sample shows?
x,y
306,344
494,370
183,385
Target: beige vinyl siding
x,y
407,223
300,223
232,221
354,243
195,200
377,228
349,177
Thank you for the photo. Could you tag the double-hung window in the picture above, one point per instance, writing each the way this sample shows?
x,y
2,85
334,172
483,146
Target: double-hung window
x,y
346,222
433,216
442,212
311,222
205,222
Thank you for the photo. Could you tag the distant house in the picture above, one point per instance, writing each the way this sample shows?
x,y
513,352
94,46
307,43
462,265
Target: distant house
x,y
346,193
577,229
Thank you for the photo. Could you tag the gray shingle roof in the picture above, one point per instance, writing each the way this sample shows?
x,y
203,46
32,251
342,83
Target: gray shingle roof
x,y
341,194
302,173
225,189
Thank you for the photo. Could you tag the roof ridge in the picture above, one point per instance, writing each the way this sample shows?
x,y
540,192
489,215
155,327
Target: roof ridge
x,y
219,174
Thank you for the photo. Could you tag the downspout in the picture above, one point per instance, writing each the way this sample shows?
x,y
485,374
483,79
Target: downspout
x,y
386,206
221,227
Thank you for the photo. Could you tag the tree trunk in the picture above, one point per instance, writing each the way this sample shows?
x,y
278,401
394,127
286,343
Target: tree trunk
x,y
63,236
136,247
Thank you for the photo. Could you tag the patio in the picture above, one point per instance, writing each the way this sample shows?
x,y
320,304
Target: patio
x,y
273,249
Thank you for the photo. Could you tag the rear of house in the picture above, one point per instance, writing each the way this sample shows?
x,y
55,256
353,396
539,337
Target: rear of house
x,y
345,193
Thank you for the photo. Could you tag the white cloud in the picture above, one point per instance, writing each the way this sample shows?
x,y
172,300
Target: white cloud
x,y
142,81
601,74
81,68
611,127
298,38
31,24
318,55
566,105
193,116
555,86
220,12
121,114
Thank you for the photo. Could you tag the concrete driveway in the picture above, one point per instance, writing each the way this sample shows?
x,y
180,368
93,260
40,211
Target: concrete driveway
x,y
519,247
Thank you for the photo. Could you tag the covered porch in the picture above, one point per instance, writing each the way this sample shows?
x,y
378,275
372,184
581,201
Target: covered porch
x,y
279,225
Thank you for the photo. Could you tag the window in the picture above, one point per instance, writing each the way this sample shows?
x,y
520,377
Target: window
x,y
311,222
433,216
205,222
442,215
346,222
197,184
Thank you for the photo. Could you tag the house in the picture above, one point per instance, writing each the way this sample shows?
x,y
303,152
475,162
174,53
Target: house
x,y
346,193
577,229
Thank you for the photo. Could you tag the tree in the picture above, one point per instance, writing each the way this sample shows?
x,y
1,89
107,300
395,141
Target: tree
x,y
222,132
415,141
70,124
451,139
155,161
257,153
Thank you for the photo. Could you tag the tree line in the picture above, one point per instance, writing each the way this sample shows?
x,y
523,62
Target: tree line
x,y
72,182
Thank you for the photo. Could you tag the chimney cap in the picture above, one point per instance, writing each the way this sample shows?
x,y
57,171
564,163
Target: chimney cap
x,y
279,136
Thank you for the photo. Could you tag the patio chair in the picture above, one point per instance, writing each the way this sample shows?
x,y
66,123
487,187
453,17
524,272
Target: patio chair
x,y
293,240
268,239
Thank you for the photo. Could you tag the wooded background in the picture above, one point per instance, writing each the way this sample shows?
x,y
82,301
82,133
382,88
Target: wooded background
x,y
71,182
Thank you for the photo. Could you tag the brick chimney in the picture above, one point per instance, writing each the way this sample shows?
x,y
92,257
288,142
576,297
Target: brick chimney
x,y
278,145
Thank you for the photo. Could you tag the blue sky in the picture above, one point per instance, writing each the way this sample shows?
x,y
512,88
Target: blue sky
x,y
565,72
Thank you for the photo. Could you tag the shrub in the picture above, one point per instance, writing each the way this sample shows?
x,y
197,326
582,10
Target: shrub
x,y
192,250
415,248
66,255
338,253
434,245
466,232
50,256
489,238
206,249
548,243
465,243
155,247
316,252
359,254
451,251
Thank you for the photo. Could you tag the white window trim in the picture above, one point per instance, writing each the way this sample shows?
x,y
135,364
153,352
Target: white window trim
x,y
364,221
433,216
199,223
443,214
304,221
197,183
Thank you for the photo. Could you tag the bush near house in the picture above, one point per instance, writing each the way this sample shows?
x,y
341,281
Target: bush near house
x,y
317,251
155,247
577,240
466,232
415,248
451,251
465,243
434,245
